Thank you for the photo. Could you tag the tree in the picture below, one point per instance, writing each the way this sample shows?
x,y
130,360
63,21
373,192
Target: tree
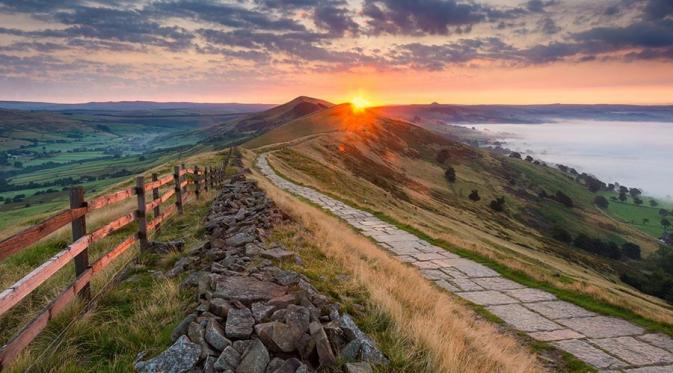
x,y
450,175
18,164
564,199
474,196
663,212
665,223
635,192
622,196
637,201
654,203
529,158
646,221
515,155
561,234
631,250
601,202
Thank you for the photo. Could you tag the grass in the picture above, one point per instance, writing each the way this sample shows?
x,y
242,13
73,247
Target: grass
x,y
136,315
629,212
581,299
495,237
447,328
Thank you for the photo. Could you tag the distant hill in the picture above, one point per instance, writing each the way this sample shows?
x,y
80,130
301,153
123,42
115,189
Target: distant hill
x,y
134,105
467,114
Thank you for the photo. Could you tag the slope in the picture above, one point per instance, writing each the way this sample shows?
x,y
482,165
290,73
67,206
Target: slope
x,y
399,170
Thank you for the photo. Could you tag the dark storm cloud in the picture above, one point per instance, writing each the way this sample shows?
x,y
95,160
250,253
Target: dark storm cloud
x,y
337,21
422,17
537,6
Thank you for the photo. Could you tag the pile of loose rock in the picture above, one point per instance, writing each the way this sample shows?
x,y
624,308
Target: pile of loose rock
x,y
252,316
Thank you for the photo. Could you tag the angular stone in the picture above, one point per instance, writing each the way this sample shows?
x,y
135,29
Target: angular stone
x,y
289,366
530,295
659,340
196,332
559,309
215,335
497,283
406,259
219,307
556,335
487,298
469,267
239,239
239,323
283,301
589,354
433,274
261,311
228,359
247,289
255,358
522,319
601,326
322,345
358,368
180,357
298,317
634,351
426,265
277,336
430,256
277,253
182,327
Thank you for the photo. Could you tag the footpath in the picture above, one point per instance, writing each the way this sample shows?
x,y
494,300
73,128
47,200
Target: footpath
x,y
607,343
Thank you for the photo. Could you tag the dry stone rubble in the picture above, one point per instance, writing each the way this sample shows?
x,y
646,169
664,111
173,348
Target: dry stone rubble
x,y
607,343
253,316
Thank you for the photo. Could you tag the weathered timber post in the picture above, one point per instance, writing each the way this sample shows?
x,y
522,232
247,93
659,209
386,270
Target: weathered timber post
x,y
141,215
197,182
178,190
79,231
184,190
156,196
206,174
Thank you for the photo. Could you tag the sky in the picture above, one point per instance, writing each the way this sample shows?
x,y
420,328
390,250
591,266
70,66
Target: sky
x,y
389,51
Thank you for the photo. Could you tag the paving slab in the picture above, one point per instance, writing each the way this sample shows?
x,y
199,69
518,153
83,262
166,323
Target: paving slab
x,y
659,369
659,340
425,265
446,286
523,319
464,284
634,351
555,335
559,309
453,272
406,258
530,295
487,298
433,274
428,256
602,326
590,354
497,283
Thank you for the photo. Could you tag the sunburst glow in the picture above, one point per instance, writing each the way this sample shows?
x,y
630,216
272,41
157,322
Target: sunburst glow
x,y
360,103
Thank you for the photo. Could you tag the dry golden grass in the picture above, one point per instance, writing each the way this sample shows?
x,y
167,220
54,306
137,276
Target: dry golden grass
x,y
516,249
455,337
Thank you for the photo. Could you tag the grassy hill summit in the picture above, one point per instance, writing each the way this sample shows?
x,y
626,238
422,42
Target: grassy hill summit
x,y
535,219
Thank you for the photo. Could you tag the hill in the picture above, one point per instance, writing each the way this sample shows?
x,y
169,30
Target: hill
x,y
523,214
134,106
253,124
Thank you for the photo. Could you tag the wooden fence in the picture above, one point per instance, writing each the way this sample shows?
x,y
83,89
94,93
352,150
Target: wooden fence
x,y
202,179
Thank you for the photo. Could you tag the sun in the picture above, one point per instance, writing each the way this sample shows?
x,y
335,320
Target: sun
x,y
359,103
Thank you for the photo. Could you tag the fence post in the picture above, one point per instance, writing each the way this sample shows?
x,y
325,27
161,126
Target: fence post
x,y
141,215
184,190
178,190
79,231
197,182
206,179
155,195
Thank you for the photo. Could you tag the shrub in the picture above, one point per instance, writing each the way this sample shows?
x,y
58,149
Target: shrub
x,y
564,199
450,175
474,195
561,234
601,202
498,204
515,155
631,250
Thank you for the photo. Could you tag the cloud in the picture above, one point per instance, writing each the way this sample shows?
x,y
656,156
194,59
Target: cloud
x,y
337,21
438,17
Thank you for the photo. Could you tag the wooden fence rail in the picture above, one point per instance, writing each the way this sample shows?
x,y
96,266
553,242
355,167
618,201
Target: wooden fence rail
x,y
77,251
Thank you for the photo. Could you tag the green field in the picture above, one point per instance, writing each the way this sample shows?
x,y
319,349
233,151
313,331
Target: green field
x,y
644,217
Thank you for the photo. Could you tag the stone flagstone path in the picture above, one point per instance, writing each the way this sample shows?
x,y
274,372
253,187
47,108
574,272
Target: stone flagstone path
x,y
607,343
